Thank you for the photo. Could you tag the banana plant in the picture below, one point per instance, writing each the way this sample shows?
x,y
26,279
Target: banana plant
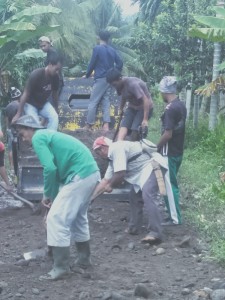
x,y
17,30
214,27
213,31
20,28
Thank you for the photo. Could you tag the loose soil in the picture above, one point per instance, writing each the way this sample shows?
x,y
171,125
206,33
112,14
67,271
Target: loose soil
x,y
120,261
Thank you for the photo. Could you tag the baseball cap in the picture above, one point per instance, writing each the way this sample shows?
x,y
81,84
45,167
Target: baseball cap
x,y
101,141
44,39
28,121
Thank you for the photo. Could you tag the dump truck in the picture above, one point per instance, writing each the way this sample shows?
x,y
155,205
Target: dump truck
x,y
73,105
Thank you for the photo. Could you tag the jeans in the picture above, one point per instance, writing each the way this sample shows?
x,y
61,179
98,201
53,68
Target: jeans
x,y
67,218
100,94
47,112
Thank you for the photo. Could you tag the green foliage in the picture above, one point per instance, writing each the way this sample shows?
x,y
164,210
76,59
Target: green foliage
x,y
215,26
205,194
31,53
13,28
164,46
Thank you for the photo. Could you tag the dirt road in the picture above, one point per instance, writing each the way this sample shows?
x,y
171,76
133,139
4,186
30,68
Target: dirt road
x,y
179,268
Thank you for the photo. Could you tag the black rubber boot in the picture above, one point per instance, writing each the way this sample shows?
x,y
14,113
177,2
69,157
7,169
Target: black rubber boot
x,y
84,255
61,268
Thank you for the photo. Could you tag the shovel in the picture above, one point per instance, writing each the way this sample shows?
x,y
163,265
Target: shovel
x,y
35,254
36,209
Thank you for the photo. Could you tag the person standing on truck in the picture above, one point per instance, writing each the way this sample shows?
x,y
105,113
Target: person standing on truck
x,y
10,111
171,143
128,161
67,163
46,46
140,105
40,85
104,57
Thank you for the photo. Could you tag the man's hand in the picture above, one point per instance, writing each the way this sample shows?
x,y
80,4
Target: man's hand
x,y
108,188
46,202
8,187
144,123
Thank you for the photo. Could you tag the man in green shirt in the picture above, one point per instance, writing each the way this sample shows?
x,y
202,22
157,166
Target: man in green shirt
x,y
67,163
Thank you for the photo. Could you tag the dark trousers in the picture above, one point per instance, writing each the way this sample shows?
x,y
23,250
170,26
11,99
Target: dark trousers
x,y
146,199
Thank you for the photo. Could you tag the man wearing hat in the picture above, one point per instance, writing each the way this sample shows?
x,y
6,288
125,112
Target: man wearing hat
x,y
42,83
46,46
67,163
128,161
171,143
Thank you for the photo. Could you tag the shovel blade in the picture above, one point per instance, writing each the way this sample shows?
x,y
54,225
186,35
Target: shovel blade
x,y
38,253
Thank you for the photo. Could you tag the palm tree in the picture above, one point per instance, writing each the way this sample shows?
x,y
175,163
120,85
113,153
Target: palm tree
x,y
149,9
76,33
214,31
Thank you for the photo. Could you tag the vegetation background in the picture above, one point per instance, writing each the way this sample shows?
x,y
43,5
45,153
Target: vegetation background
x,y
166,37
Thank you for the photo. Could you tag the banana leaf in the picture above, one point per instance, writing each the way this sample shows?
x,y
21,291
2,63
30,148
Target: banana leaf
x,y
31,53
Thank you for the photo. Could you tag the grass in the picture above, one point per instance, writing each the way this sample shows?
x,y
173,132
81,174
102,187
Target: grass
x,y
201,188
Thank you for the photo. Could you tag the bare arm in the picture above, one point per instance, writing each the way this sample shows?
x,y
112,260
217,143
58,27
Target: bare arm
x,y
100,189
167,135
146,107
117,178
107,185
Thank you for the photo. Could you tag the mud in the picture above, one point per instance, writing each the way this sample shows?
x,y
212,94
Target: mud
x,y
179,268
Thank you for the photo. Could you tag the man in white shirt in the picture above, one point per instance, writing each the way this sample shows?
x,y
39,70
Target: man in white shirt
x,y
128,161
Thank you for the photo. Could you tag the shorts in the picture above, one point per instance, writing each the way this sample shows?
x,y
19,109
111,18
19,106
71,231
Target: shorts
x,y
133,118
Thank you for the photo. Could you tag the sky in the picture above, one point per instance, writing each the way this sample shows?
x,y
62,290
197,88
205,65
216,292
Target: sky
x,y
127,8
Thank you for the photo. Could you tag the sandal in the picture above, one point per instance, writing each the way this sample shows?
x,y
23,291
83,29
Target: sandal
x,y
149,239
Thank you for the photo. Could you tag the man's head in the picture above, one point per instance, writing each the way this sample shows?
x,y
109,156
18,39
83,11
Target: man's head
x,y
168,87
15,93
104,36
55,64
114,77
26,126
44,43
101,146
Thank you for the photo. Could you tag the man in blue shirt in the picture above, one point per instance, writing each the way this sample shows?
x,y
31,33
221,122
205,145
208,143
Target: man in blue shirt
x,y
103,58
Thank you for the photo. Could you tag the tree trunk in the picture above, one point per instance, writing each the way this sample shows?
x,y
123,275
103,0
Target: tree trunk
x,y
188,100
214,97
196,110
204,105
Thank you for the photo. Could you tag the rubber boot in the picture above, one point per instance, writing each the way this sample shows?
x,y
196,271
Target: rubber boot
x,y
61,268
84,255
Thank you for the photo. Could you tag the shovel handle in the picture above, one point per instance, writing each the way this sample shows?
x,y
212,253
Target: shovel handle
x,y
19,198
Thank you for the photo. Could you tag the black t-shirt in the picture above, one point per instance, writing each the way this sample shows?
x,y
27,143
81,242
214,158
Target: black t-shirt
x,y
11,110
49,53
39,87
174,118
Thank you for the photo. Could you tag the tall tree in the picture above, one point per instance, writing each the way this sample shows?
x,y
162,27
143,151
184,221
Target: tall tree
x,y
148,9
